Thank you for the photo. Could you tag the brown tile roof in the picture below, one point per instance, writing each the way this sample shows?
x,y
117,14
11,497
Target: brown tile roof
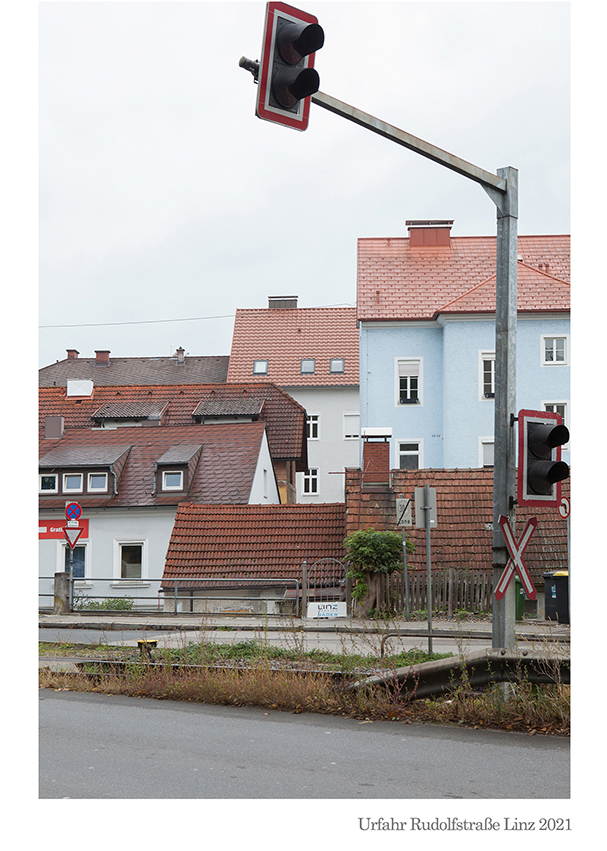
x,y
464,508
283,416
285,336
395,281
253,541
194,370
131,410
224,474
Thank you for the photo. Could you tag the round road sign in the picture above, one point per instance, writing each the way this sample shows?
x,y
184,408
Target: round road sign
x,y
73,511
564,508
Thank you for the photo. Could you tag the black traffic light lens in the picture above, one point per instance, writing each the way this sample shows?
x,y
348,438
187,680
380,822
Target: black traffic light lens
x,y
298,40
544,437
290,85
543,474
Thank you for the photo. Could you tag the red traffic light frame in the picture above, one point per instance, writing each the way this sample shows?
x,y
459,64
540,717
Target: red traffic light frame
x,y
298,120
525,417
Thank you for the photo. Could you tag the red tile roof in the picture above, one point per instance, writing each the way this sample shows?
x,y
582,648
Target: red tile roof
x,y
180,406
396,281
253,541
285,336
224,473
464,500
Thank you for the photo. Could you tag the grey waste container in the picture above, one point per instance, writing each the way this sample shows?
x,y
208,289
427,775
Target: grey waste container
x,y
556,596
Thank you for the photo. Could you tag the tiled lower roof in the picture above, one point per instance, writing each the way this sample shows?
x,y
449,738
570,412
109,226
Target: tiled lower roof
x,y
253,541
194,370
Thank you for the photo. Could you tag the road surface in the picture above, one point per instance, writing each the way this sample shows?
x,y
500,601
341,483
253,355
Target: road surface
x,y
109,746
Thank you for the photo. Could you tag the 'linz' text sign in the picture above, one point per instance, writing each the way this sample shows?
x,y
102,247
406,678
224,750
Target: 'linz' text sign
x,y
327,610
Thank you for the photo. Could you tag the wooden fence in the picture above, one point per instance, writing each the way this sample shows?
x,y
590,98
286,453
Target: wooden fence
x,y
452,590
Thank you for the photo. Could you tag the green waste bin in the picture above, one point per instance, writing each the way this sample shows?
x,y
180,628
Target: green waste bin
x,y
556,596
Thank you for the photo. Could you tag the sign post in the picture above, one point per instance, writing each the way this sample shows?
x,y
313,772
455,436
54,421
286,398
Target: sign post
x,y
72,532
403,518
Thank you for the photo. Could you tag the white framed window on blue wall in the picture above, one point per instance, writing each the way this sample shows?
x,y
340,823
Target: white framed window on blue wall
x,y
409,454
487,375
555,350
408,381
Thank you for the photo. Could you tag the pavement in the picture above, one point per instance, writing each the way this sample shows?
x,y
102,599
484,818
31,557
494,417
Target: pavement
x,y
336,635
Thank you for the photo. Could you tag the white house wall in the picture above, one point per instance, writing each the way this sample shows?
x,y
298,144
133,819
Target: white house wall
x,y
331,453
265,487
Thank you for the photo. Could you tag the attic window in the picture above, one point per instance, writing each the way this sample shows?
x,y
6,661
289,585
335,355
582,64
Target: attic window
x,y
49,484
337,365
308,366
72,483
260,367
172,480
97,482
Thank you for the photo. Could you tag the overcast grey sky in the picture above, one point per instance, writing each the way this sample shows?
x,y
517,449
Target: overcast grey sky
x,y
162,196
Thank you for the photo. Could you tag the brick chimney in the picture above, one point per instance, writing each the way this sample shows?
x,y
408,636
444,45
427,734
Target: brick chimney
x,y
376,457
54,427
429,233
72,354
102,357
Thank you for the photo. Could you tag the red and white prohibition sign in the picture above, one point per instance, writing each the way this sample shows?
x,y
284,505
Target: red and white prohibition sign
x,y
515,562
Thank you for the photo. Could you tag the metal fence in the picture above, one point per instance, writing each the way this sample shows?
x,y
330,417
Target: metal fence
x,y
273,596
453,590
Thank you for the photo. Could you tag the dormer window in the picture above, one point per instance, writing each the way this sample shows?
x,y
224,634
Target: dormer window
x,y
49,483
308,366
337,365
172,480
260,367
97,483
72,483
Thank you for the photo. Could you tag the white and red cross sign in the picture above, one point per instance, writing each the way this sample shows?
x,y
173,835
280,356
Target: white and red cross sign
x,y
515,562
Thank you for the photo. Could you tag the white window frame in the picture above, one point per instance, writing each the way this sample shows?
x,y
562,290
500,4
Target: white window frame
x,y
565,404
543,339
417,364
49,476
482,442
130,542
73,490
482,357
261,366
91,489
311,476
335,371
166,487
313,419
347,417
419,454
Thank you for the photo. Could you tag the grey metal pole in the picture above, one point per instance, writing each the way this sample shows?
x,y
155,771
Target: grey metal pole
x,y
428,563
71,603
406,575
504,470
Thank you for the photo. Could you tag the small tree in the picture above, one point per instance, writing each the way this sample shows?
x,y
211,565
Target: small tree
x,y
370,554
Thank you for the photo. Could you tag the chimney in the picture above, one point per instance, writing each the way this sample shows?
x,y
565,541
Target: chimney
x,y
102,357
72,354
429,233
53,427
180,355
282,302
376,457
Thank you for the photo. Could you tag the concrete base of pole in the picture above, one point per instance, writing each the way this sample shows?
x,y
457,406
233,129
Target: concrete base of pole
x,y
61,604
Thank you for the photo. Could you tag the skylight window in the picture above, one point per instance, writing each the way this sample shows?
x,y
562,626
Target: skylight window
x,y
337,365
308,366
260,367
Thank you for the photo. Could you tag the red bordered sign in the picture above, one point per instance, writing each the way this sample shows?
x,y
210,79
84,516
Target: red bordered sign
x,y
516,563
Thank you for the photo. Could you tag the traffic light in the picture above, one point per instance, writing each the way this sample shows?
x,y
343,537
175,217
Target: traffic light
x,y
287,77
540,469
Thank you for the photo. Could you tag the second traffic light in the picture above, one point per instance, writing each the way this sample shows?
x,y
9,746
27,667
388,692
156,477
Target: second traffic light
x,y
287,77
540,469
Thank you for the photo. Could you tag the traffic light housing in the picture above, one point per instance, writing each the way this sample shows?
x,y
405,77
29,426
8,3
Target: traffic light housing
x,y
287,77
540,469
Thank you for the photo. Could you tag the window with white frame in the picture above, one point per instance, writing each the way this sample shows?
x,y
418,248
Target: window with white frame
x,y
409,381
487,375
409,454
131,560
555,351
49,483
97,483
351,425
310,481
487,452
172,480
72,483
260,367
313,426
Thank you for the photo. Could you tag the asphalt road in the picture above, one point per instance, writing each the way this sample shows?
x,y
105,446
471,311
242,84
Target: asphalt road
x,y
107,746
